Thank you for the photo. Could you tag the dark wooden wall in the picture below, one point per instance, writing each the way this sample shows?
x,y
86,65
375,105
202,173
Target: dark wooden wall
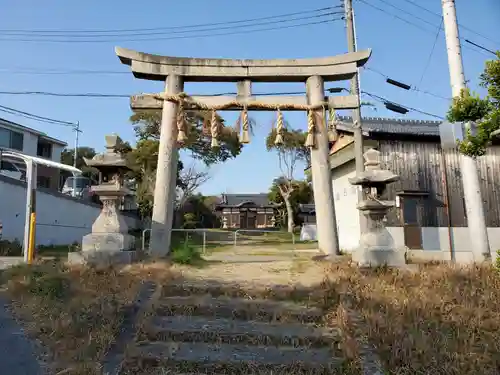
x,y
418,162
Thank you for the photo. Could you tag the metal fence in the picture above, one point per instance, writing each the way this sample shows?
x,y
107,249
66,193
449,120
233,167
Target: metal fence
x,y
218,239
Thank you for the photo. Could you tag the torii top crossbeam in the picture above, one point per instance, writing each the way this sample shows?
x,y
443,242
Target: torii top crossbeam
x,y
156,67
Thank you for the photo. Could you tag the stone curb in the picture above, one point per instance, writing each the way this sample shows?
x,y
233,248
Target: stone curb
x,y
113,361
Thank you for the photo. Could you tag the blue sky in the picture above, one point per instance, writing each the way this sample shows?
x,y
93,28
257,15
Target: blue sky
x,y
400,50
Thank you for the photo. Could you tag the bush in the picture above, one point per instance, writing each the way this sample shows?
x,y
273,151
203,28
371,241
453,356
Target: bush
x,y
497,262
48,280
185,253
10,248
50,286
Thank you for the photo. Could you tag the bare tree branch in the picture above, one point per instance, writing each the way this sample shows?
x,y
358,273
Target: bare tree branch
x,y
191,179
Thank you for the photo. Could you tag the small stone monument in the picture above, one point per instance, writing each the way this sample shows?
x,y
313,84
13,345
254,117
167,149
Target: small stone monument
x,y
109,241
376,246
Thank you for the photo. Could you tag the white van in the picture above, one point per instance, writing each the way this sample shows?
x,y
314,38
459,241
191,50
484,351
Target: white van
x,y
78,187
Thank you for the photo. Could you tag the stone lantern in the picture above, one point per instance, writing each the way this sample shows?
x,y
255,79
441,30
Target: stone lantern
x,y
376,246
109,241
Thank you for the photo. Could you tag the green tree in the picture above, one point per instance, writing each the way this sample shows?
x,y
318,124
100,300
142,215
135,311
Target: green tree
x,y
68,156
198,211
143,158
148,124
484,111
290,152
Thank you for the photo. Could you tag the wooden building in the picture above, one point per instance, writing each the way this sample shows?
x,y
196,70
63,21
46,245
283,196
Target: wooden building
x,y
246,211
430,211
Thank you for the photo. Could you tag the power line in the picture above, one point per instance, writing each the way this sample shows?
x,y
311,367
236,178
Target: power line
x,y
32,116
429,59
73,95
481,47
174,37
461,25
396,16
58,72
385,11
216,28
99,95
407,12
413,88
387,101
90,31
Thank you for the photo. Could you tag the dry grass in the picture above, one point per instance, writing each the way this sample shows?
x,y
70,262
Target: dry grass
x,y
439,320
74,312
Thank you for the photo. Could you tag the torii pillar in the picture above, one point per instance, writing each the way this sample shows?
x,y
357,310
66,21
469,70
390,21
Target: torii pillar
x,y
176,70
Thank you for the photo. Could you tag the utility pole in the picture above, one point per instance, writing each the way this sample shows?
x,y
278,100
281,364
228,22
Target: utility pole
x,y
470,176
356,113
75,153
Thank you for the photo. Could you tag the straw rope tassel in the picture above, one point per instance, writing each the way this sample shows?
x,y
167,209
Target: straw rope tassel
x,y
206,127
214,130
237,125
245,135
310,141
279,129
333,135
181,124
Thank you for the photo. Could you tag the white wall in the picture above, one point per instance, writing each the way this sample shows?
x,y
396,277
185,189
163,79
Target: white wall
x,y
30,144
437,240
56,152
61,219
345,196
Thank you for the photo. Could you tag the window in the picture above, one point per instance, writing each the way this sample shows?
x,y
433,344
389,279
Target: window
x,y
43,181
4,138
44,149
8,166
11,139
16,140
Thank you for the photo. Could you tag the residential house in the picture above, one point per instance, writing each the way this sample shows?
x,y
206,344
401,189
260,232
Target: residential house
x,y
246,211
430,213
16,137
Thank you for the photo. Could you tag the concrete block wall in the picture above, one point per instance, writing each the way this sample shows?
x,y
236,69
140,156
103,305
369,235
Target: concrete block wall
x,y
61,220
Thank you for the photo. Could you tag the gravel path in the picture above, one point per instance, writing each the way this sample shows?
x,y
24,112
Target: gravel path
x,y
262,270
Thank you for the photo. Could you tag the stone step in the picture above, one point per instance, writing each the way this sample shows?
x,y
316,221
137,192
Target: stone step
x,y
278,292
238,308
183,357
222,330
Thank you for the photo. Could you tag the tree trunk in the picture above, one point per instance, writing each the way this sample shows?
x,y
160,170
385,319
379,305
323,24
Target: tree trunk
x,y
289,211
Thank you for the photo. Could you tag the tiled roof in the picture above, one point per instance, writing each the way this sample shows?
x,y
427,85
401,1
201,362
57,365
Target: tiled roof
x,y
392,126
237,199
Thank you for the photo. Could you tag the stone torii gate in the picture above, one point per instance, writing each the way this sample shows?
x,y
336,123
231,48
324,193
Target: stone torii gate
x,y
174,71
